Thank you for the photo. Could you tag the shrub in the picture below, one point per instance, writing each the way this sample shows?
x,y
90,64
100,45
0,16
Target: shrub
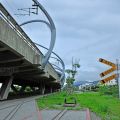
x,y
109,90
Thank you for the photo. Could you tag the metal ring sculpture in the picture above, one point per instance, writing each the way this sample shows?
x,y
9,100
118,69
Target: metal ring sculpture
x,y
62,78
53,38
53,33
58,58
62,63
51,25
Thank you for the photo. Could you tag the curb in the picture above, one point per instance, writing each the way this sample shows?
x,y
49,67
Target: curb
x,y
88,117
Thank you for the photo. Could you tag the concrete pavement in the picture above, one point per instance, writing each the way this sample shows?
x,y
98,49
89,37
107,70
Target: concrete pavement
x,y
66,115
22,109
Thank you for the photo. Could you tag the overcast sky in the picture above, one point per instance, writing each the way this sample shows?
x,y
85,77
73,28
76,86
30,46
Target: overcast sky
x,y
86,30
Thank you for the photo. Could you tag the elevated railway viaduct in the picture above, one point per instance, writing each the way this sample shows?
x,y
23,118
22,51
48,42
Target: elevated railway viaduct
x,y
21,60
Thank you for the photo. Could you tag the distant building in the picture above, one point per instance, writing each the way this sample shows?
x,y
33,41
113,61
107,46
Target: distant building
x,y
84,84
112,82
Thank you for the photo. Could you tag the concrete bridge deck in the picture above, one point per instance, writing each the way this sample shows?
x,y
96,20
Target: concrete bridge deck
x,y
21,59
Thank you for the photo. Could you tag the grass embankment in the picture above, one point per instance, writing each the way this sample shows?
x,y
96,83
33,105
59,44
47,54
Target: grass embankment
x,y
107,107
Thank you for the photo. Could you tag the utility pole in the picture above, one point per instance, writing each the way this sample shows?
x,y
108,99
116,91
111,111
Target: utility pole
x,y
118,81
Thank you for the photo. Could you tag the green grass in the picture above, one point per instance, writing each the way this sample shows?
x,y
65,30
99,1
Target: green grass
x,y
107,107
54,101
104,106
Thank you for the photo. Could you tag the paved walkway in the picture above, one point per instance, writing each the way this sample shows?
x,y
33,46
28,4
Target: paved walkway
x,y
22,109
26,109
64,115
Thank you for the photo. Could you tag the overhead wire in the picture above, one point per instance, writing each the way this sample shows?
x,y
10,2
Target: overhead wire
x,y
11,7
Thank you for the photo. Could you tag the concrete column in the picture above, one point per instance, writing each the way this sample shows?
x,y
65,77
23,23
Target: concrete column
x,y
14,89
5,88
51,90
43,90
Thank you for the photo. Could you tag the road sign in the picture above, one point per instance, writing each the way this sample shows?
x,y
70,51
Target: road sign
x,y
107,62
108,78
108,71
114,67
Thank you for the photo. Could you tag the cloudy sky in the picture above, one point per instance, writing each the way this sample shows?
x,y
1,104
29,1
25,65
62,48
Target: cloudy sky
x,y
86,30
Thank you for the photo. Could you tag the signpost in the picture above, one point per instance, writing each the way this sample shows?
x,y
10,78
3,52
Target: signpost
x,y
114,76
107,62
108,71
114,67
117,78
109,78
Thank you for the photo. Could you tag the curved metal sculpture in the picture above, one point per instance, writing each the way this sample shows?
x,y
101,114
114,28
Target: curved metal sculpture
x,y
51,25
61,61
53,33
63,65
48,54
53,38
60,71
31,21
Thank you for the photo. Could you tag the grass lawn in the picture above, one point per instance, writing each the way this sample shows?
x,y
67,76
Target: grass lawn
x,y
107,107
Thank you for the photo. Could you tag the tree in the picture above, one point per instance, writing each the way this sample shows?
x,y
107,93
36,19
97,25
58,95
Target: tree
x,y
71,76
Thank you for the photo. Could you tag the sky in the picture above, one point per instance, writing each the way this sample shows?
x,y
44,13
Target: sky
x,y
86,30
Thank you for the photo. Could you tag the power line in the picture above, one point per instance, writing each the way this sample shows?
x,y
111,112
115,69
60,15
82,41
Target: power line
x,y
10,6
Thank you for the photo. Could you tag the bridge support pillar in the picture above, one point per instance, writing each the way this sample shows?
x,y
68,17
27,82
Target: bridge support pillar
x,y
43,90
5,88
51,90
